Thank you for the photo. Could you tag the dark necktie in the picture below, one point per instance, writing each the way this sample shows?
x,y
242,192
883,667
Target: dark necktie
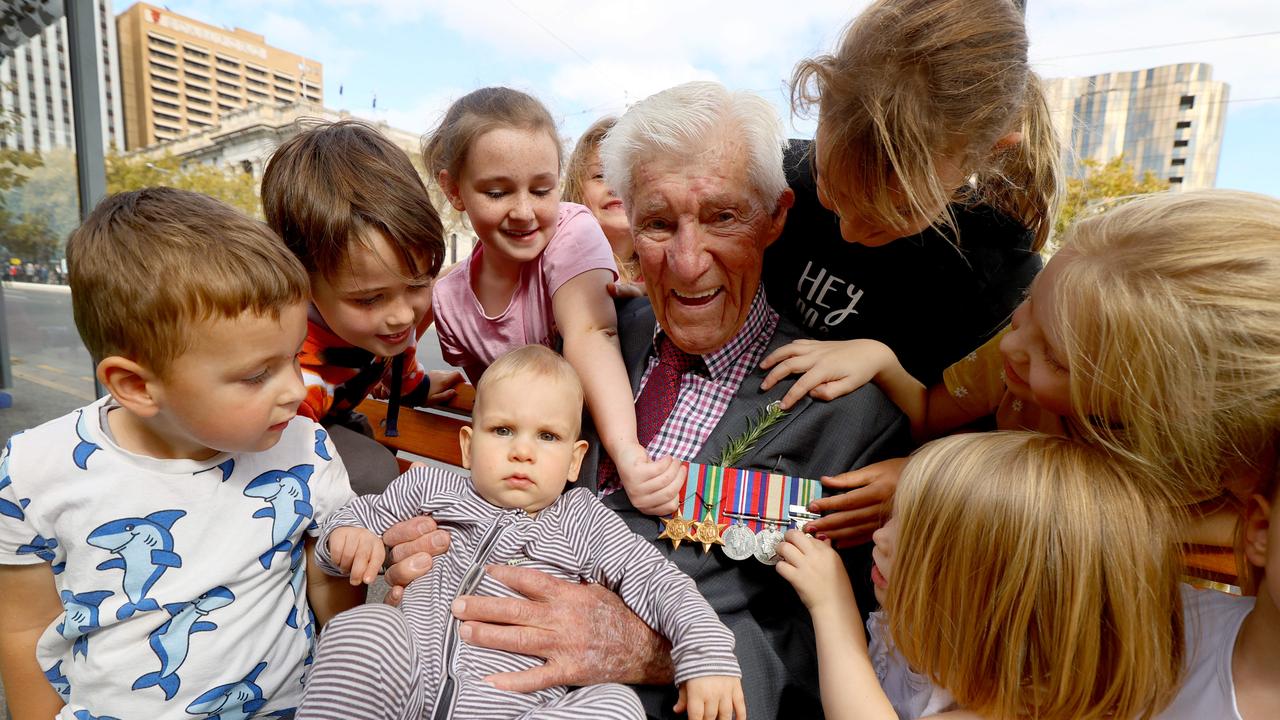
x,y
656,400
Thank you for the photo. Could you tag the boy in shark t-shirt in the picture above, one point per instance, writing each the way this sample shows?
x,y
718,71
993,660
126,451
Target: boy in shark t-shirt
x,y
154,544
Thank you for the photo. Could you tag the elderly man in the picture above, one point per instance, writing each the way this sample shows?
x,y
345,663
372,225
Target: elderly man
x,y
700,172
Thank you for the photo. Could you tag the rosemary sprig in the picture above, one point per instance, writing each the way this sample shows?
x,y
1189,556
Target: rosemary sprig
x,y
738,447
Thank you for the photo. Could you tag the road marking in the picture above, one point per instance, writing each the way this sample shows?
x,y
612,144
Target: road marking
x,y
51,368
79,393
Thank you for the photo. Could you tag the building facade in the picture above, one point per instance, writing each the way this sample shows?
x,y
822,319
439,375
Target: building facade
x,y
183,76
35,82
1166,120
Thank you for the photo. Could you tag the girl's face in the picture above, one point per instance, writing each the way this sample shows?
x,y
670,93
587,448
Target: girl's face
x,y
1035,367
509,189
886,545
607,207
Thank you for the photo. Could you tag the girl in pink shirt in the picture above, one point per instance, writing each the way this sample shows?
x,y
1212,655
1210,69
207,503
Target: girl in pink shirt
x,y
540,273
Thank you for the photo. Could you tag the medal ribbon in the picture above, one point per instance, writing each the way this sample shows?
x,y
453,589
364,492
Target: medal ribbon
x,y
751,497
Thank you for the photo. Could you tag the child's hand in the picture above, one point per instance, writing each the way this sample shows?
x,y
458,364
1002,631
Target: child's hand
x,y
652,485
849,518
357,552
443,383
713,697
816,572
830,368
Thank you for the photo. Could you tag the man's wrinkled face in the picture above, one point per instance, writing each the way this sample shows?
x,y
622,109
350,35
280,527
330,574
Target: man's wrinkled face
x,y
700,232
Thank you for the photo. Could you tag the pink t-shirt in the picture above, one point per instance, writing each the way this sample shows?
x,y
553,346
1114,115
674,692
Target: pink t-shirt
x,y
472,340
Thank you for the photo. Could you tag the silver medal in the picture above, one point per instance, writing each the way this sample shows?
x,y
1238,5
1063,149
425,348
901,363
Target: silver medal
x,y
766,550
739,542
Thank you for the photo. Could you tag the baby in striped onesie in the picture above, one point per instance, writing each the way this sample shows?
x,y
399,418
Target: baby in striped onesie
x,y
522,448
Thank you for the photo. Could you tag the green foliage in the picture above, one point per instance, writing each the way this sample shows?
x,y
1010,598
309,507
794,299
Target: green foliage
x,y
233,187
28,237
739,446
1104,185
13,162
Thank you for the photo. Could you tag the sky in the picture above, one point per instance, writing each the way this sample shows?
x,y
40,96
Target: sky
x,y
588,59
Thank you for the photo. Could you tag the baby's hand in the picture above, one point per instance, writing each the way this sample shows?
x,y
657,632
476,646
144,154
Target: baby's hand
x,y
829,369
357,552
713,697
652,485
816,572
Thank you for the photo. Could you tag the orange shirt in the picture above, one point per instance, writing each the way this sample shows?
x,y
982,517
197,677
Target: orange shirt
x,y
326,372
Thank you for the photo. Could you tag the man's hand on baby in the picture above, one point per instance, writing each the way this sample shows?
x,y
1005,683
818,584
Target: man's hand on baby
x,y
828,369
713,697
817,573
358,552
652,485
414,543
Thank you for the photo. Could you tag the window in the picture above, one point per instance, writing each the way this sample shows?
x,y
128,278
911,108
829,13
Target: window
x,y
228,75
226,108
257,95
1186,102
195,52
1178,161
1184,124
1175,180
193,100
1181,143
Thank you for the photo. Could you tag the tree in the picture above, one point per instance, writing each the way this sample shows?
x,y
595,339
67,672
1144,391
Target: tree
x,y
1104,185
29,237
233,187
13,162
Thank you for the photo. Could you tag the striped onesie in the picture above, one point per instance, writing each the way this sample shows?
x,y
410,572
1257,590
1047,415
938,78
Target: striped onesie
x,y
375,662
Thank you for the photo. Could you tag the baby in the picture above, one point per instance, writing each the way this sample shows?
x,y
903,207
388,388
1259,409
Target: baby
x,y
521,449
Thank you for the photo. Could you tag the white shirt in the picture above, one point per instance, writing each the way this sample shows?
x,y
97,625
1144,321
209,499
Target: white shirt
x,y
1213,621
182,582
911,694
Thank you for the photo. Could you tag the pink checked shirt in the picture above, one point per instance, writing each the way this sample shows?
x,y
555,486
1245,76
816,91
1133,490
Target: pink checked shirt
x,y
705,393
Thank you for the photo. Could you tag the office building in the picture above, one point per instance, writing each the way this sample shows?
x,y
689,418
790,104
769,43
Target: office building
x,y
1165,120
181,75
35,79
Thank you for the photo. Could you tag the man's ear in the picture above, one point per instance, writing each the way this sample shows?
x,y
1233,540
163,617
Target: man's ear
x,y
464,442
132,385
579,451
450,187
779,219
1257,523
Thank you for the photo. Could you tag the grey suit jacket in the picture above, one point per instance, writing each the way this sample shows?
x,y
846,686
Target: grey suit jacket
x,y
773,631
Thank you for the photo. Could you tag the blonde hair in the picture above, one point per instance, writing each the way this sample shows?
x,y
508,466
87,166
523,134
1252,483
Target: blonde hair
x,y
575,182
1033,578
531,360
914,81
475,114
1168,308
148,265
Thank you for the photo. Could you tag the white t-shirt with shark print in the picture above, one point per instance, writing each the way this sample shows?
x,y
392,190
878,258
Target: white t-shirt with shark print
x,y
182,582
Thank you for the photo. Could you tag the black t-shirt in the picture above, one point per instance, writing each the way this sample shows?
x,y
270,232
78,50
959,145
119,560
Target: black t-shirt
x,y
928,300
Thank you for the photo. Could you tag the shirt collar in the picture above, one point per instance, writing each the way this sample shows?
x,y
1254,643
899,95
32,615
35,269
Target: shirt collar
x,y
761,321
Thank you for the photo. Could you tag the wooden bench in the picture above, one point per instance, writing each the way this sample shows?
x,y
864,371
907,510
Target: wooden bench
x,y
426,432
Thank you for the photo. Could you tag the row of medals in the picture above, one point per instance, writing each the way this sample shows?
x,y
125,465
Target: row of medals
x,y
736,539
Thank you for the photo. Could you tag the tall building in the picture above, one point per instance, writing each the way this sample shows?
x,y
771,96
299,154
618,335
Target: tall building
x,y
35,81
1167,120
181,75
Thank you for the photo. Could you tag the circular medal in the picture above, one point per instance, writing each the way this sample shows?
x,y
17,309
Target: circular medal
x,y
766,550
739,542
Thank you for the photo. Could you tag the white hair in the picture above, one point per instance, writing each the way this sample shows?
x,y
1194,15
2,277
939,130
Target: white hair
x,y
683,121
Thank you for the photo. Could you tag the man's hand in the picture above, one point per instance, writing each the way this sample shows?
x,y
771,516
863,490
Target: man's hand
x,y
413,543
713,697
584,632
443,384
357,552
850,518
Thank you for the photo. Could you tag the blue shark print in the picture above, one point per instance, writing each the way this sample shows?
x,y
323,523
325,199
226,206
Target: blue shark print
x,y
84,448
233,701
86,715
321,450
285,713
289,497
226,467
298,566
8,507
59,681
145,549
172,641
81,618
43,547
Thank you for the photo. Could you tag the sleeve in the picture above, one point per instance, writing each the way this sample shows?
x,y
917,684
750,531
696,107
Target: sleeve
x,y
976,382
319,395
20,543
579,245
330,486
658,592
402,500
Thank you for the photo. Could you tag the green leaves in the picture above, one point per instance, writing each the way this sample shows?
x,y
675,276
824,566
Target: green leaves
x,y
739,446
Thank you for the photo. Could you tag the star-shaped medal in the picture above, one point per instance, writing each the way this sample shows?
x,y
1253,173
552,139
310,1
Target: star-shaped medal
x,y
708,532
676,529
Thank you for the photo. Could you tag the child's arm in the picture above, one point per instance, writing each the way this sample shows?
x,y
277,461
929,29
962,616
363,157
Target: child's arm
x,y
831,369
28,603
849,686
589,325
327,594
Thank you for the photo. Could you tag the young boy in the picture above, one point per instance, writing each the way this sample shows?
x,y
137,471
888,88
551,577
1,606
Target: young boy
x,y
351,207
152,543
522,449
